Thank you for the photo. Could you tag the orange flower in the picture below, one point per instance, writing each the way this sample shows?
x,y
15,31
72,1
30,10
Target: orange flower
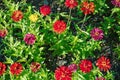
x,y
3,33
103,63
87,8
17,15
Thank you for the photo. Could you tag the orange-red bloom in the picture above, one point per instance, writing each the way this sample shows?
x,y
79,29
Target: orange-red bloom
x,y
87,8
85,65
16,68
3,33
63,73
17,15
2,68
59,26
103,63
71,3
35,66
45,10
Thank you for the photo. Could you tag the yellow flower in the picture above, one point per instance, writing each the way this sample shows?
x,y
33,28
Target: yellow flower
x,y
33,17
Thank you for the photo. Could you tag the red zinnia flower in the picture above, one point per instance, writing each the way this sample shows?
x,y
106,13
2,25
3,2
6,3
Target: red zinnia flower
x,y
87,8
96,34
71,3
103,63
85,65
2,68
17,15
59,26
35,66
16,68
3,33
45,10
63,73
116,2
29,39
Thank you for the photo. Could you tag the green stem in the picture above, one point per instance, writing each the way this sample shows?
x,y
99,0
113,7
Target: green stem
x,y
83,21
69,18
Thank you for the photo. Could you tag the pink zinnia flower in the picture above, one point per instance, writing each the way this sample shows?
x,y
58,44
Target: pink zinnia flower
x,y
100,78
45,10
72,67
29,39
63,73
116,2
35,66
96,34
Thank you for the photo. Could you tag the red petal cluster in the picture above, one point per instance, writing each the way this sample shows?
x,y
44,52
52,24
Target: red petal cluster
x,y
59,26
63,73
2,68
16,68
103,63
35,66
3,32
87,8
17,15
85,65
45,10
71,3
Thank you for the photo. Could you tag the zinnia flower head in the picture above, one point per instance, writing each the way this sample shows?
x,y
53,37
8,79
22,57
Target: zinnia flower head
x,y
85,65
63,73
116,2
71,3
59,26
72,67
35,66
29,39
103,63
16,68
33,17
17,15
96,34
45,10
87,8
3,33
2,68
100,78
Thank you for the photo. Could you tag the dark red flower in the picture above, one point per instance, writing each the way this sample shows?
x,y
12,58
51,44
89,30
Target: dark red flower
x,y
29,39
96,34
87,8
116,2
85,65
45,10
17,15
63,73
16,68
103,63
72,67
59,26
3,32
71,3
35,66
2,68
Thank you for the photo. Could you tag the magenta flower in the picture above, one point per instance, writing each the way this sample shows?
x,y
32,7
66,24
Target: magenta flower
x,y
29,39
100,78
72,67
96,34
116,2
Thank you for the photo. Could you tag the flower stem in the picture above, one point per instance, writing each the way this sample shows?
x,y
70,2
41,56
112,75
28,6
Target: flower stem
x,y
69,18
83,21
